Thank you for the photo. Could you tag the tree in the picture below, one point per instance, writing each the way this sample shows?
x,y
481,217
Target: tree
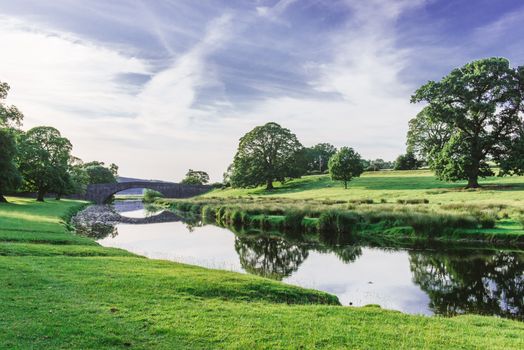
x,y
98,173
266,154
195,177
9,176
10,118
345,165
479,105
318,156
406,162
43,159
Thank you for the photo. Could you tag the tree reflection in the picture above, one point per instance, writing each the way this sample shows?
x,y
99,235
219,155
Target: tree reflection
x,y
97,230
458,283
271,257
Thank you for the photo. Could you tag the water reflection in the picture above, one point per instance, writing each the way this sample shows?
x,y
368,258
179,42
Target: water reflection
x,y
271,257
414,281
469,282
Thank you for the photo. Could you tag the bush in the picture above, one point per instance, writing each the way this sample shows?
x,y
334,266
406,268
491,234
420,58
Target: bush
x,y
150,196
208,212
488,220
293,220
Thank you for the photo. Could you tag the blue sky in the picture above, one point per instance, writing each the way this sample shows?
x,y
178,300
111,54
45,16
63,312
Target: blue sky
x,y
162,86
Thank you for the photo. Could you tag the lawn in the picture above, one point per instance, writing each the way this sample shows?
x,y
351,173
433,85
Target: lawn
x,y
391,186
83,296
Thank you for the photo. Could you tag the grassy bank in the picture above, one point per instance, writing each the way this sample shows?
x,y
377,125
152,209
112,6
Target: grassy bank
x,y
59,290
383,206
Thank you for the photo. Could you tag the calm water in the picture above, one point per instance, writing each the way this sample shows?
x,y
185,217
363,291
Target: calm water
x,y
413,281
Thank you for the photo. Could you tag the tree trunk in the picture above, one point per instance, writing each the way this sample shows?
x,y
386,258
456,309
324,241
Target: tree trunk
x,y
473,182
58,197
345,184
40,196
269,185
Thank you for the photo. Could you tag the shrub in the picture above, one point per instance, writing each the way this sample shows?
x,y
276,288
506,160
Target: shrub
x,y
151,195
208,212
293,220
488,219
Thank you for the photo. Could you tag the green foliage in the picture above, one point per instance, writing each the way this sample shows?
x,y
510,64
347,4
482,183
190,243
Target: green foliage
x,y
150,195
98,173
9,175
488,219
44,160
475,109
10,116
195,177
406,161
345,165
266,154
317,157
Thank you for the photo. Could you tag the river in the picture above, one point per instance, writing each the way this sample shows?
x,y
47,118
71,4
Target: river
x,y
449,282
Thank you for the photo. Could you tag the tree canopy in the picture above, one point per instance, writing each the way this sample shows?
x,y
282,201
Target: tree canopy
x,y
44,158
318,156
345,165
472,114
195,177
266,154
9,175
406,161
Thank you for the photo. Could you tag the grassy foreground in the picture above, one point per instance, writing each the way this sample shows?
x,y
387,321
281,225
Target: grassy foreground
x,y
59,290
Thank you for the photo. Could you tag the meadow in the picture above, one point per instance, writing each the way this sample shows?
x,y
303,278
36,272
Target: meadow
x,y
61,290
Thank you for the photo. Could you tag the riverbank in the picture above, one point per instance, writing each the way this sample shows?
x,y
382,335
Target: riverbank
x,y
383,207
61,290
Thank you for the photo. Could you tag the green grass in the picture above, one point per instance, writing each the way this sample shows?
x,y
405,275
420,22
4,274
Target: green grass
x,y
83,296
391,186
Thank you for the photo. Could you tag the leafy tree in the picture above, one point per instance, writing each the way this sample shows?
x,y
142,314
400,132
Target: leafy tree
x,y
377,164
10,118
406,162
345,165
480,105
318,156
9,176
266,154
98,173
195,177
43,158
426,136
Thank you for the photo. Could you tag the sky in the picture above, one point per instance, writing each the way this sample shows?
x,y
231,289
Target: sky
x,y
159,87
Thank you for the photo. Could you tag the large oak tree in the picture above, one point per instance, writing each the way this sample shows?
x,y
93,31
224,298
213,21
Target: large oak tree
x,y
266,154
44,158
472,113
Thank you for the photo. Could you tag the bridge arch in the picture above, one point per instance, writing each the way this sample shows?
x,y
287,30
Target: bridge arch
x,y
100,193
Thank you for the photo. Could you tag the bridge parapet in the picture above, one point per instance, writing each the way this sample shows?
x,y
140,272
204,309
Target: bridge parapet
x,y
100,193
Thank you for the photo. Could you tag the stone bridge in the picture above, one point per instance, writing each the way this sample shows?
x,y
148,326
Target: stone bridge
x,y
101,193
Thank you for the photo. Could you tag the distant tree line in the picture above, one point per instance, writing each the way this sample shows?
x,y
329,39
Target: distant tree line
x,y
40,159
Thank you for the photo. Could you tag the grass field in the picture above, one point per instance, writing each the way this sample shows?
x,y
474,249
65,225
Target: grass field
x,y
59,290
391,186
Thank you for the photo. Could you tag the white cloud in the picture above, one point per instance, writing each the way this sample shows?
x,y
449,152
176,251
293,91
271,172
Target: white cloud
x,y
372,108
